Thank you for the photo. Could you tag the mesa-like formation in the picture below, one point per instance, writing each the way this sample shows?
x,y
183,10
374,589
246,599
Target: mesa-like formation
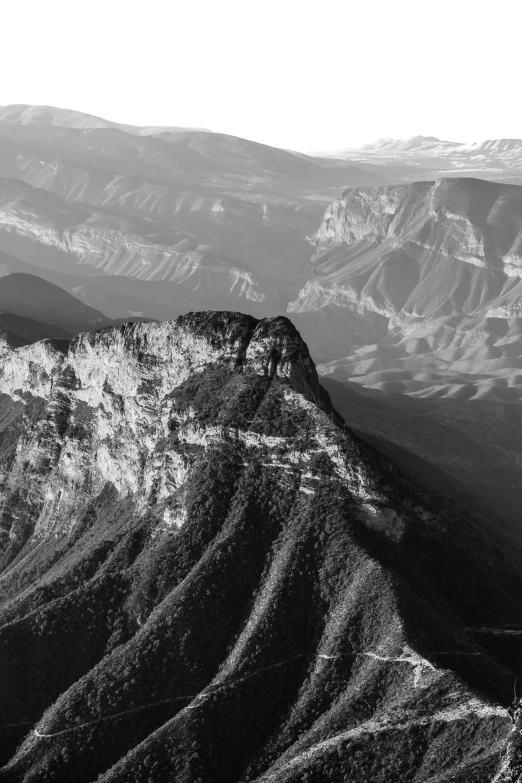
x,y
430,275
207,576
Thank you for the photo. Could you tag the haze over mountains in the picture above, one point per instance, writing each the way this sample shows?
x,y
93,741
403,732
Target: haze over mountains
x,y
415,158
207,220
158,205
23,114
437,266
199,551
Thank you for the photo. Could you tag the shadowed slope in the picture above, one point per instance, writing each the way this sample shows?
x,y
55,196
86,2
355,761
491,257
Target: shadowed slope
x,y
28,295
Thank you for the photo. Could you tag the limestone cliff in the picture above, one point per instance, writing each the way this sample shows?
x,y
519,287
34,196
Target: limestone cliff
x,y
402,236
109,403
439,264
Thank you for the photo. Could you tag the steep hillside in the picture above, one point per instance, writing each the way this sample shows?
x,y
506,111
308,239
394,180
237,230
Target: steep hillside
x,y
478,444
129,298
435,267
207,576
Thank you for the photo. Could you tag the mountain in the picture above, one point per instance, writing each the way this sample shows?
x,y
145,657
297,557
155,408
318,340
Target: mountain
x,y
208,576
16,331
206,210
429,275
25,114
420,144
28,295
426,156
118,298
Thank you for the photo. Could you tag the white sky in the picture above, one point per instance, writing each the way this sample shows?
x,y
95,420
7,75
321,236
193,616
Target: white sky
x,y
307,76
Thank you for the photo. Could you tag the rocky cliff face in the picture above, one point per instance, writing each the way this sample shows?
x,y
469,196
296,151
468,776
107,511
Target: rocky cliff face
x,y
414,227
198,555
439,263
109,402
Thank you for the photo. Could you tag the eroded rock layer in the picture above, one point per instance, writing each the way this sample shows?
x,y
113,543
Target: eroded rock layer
x,y
432,270
213,213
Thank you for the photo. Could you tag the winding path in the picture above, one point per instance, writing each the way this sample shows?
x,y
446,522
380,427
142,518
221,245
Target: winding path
x,y
408,656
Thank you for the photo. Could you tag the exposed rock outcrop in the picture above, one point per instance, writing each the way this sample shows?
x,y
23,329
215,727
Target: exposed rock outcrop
x,y
107,394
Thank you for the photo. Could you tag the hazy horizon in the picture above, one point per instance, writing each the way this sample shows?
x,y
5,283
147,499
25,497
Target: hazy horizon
x,y
367,141
281,75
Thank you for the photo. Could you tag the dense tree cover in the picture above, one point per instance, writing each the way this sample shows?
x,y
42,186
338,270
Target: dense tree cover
x,y
240,639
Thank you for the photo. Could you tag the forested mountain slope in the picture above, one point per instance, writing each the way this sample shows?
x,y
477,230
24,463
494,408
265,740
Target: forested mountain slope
x,y
207,576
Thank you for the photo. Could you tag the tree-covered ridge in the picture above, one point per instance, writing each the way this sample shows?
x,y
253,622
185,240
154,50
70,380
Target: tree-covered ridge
x,y
273,601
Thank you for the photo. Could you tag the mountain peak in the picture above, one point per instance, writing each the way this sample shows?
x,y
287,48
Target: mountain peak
x,y
267,347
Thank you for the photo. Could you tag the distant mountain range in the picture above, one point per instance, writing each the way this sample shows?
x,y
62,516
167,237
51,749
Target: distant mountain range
x,y
426,157
25,114
200,208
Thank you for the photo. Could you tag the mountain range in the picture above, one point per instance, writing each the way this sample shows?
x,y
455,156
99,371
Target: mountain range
x,y
414,158
260,449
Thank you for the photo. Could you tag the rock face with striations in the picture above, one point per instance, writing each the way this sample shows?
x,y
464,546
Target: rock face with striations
x,y
109,402
207,576
435,267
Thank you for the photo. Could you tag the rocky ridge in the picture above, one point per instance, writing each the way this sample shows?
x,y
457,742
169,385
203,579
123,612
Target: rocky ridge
x,y
119,379
46,231
244,570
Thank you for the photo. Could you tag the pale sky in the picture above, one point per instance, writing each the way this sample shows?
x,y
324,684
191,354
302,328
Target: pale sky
x,y
306,76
